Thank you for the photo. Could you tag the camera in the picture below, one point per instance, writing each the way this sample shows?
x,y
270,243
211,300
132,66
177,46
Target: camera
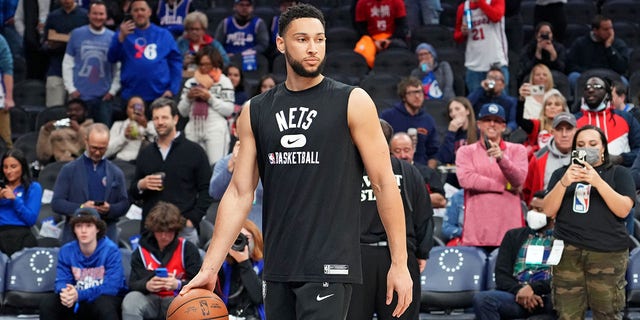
x,y
537,90
240,243
544,36
62,123
580,155
491,84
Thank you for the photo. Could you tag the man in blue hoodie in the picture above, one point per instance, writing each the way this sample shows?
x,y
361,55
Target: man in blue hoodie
x,y
90,278
151,62
409,114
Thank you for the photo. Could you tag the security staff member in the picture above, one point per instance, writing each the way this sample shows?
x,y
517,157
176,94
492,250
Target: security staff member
x,y
370,296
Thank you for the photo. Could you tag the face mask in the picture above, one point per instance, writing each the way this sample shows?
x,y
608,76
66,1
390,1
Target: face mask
x,y
603,104
536,220
593,155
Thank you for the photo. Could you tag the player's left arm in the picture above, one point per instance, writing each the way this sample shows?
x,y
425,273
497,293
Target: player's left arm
x,y
367,135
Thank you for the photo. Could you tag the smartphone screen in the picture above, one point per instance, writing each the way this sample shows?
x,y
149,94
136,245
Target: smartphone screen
x,y
98,203
127,17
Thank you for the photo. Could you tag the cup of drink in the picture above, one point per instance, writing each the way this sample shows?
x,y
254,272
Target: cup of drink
x,y
161,175
413,133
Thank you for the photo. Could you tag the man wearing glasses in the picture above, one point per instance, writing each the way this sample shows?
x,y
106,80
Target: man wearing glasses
x,y
91,181
492,90
621,129
409,116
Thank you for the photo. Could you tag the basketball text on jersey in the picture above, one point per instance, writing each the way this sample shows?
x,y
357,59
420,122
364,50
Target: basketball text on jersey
x,y
296,118
367,192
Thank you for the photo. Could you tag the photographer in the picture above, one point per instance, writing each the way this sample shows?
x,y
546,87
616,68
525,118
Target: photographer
x,y
240,275
63,140
492,90
542,50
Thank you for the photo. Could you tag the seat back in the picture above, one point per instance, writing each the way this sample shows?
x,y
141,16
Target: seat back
x,y
438,36
128,169
438,109
347,63
20,122
382,89
49,174
4,260
206,231
621,10
341,38
128,233
580,11
126,262
452,277
30,275
633,279
490,276
396,61
30,91
27,144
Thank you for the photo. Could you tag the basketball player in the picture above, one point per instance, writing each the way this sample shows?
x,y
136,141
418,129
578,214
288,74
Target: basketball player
x,y
308,139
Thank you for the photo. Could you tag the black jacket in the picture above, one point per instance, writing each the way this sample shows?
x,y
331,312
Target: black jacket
x,y
186,183
511,244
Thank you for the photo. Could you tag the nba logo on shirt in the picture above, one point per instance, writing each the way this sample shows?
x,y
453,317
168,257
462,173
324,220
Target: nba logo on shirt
x,y
581,198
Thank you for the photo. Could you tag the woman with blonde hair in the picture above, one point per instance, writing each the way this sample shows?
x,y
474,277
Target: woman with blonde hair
x,y
532,92
539,129
240,275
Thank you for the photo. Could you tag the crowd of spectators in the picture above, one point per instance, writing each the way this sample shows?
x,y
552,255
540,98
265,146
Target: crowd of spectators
x,y
159,85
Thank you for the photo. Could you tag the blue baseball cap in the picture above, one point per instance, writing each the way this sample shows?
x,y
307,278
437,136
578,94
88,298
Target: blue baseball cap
x,y
492,109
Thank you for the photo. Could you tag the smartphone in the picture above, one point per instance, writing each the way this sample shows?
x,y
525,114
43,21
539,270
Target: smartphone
x,y
162,272
98,203
127,17
577,156
537,90
2,184
486,142
137,109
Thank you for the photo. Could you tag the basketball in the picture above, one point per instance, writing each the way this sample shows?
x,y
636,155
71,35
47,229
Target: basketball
x,y
197,304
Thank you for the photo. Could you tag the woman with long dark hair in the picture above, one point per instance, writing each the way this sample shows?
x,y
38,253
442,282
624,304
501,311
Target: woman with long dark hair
x,y
20,199
590,200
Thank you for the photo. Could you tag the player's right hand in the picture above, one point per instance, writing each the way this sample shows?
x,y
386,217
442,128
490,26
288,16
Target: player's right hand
x,y
206,279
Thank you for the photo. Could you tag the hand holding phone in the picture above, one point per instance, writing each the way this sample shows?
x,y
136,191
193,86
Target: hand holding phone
x,y
127,17
487,144
98,203
578,156
161,272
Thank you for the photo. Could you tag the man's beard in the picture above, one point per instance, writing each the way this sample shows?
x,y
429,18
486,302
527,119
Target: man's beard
x,y
300,70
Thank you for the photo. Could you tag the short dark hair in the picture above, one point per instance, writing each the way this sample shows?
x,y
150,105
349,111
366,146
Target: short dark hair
x,y
165,102
77,101
405,83
597,20
495,67
619,87
212,53
387,130
298,11
164,216
98,3
87,215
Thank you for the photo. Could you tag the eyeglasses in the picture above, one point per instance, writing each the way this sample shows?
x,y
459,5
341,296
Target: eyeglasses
x,y
595,86
415,92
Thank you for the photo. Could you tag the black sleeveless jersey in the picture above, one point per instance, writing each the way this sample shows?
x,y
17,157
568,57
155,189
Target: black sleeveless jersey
x,y
311,172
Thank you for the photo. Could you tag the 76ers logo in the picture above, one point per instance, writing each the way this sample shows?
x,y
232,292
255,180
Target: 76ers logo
x,y
581,197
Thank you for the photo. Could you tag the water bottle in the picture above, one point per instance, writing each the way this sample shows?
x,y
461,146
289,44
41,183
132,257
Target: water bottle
x,y
467,14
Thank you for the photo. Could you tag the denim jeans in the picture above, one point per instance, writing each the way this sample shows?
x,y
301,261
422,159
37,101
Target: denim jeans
x,y
99,110
496,305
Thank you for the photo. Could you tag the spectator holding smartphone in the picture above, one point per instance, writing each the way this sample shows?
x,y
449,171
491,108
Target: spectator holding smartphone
x,y
207,99
161,264
130,135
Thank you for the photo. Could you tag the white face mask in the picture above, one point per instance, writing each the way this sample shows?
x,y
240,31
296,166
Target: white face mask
x,y
536,220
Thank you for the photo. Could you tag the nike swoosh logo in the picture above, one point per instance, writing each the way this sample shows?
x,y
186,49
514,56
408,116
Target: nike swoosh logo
x,y
320,298
290,141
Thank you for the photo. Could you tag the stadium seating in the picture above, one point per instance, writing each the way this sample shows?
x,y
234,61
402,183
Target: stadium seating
x,y
30,275
451,278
